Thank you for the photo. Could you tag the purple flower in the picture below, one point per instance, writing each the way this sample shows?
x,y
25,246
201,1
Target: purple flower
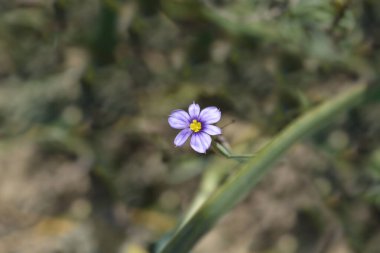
x,y
196,124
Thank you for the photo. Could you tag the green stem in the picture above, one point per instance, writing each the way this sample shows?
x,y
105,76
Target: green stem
x,y
239,184
227,153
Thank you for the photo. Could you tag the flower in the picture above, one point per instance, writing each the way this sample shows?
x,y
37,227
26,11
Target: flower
x,y
196,124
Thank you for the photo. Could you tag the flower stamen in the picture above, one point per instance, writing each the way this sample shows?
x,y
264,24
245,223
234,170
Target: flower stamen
x,y
196,126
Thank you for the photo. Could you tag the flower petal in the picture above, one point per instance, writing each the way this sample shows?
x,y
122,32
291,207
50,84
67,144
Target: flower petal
x,y
210,115
200,142
194,110
182,136
212,130
179,119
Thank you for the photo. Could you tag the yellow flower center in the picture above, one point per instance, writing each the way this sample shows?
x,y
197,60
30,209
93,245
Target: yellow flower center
x,y
196,126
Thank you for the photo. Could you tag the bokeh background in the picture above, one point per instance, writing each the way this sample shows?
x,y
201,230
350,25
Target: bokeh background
x,y
87,161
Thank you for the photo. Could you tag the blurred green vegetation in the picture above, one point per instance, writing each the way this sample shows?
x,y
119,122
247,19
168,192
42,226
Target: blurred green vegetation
x,y
86,156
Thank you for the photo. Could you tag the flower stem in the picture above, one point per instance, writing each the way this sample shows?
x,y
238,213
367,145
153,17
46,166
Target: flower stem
x,y
227,153
240,184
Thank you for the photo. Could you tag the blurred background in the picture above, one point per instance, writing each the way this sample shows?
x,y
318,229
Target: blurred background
x,y
87,161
